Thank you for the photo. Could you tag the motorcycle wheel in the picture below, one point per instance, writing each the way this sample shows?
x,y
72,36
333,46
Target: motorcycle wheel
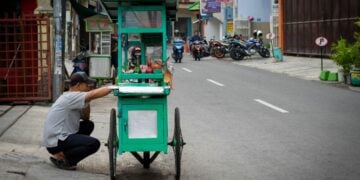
x,y
211,51
180,58
236,55
218,53
197,58
265,53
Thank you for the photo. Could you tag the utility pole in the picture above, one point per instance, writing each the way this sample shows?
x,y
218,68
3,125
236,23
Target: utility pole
x,y
58,68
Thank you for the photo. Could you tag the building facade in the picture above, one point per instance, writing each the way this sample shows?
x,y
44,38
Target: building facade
x,y
302,21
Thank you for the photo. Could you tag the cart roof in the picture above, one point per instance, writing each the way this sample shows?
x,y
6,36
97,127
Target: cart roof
x,y
111,6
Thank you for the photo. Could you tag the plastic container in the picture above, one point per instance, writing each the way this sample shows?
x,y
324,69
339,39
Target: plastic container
x,y
333,76
355,77
324,75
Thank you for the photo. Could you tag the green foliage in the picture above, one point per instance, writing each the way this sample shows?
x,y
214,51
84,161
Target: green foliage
x,y
347,54
341,54
356,47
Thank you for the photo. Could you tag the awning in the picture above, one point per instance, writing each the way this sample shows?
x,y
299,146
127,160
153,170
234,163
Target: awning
x,y
194,7
82,11
98,23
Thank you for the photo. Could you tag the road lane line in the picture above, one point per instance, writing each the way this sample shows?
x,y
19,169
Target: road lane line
x,y
186,69
217,83
271,106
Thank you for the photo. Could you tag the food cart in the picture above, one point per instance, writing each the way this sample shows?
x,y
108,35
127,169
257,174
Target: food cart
x,y
99,28
139,125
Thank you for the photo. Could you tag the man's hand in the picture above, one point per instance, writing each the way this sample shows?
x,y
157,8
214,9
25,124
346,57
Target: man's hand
x,y
112,87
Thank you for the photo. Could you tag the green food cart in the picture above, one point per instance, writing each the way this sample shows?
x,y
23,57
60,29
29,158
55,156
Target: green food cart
x,y
140,123
99,28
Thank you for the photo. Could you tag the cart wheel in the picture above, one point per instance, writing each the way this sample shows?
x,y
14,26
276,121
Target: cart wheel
x,y
177,143
112,144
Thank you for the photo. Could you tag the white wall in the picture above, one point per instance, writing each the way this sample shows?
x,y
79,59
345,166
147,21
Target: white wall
x,y
259,9
213,29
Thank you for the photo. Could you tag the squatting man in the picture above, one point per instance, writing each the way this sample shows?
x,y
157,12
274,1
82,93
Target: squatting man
x,y
68,126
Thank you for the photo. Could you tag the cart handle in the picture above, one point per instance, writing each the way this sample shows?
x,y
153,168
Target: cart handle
x,y
140,89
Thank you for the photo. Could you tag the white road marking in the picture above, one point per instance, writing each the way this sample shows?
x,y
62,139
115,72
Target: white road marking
x,y
271,106
217,83
186,69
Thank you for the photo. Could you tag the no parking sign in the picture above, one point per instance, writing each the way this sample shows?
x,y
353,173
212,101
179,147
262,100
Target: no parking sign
x,y
270,36
321,42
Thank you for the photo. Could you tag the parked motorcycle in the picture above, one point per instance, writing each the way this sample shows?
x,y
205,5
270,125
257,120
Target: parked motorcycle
x,y
206,48
211,45
81,62
214,46
220,49
178,50
197,50
249,48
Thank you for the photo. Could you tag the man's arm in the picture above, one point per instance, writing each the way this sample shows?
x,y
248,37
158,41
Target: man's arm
x,y
97,93
86,113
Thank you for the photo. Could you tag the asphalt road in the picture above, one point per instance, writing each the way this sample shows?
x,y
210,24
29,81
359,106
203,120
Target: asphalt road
x,y
245,123
238,123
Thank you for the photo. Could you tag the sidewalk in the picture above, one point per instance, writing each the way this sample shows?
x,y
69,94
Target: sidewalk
x,y
23,157
300,67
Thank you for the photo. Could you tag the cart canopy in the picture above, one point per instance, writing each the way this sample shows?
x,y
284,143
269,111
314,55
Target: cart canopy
x,y
111,6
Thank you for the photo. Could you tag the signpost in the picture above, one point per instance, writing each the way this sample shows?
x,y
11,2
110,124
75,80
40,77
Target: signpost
x,y
271,36
321,42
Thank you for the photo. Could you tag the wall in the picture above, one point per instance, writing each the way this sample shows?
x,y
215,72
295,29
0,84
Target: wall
x,y
331,19
183,17
264,27
212,29
259,9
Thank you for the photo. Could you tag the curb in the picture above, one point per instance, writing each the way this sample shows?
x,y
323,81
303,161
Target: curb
x,y
355,88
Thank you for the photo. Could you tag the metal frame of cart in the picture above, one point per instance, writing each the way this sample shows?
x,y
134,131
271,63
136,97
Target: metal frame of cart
x,y
140,123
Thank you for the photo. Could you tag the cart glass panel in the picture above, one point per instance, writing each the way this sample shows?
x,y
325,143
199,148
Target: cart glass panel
x,y
142,124
141,19
154,53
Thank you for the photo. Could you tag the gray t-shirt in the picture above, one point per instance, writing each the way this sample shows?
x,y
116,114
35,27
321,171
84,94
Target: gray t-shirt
x,y
63,118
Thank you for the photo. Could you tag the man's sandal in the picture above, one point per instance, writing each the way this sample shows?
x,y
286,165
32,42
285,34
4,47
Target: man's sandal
x,y
62,164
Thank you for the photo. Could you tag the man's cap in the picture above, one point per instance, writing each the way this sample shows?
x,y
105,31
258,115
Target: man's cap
x,y
81,77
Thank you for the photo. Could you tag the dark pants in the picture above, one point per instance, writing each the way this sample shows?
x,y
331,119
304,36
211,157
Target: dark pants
x,y
78,146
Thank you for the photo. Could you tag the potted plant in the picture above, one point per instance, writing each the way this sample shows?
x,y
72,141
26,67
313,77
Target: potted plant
x,y
347,55
341,55
355,73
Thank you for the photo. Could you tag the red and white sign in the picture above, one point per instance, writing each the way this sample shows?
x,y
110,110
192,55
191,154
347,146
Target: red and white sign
x,y
270,36
321,41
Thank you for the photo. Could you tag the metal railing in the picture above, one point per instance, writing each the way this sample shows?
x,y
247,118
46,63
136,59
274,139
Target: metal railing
x,y
25,66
